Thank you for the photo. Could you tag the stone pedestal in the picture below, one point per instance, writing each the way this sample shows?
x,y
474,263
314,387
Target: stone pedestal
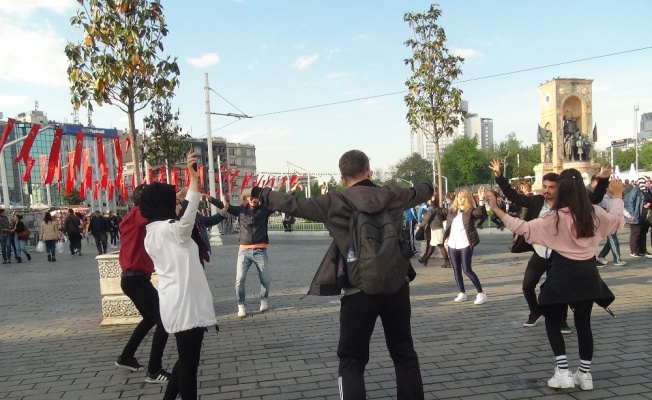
x,y
585,167
117,308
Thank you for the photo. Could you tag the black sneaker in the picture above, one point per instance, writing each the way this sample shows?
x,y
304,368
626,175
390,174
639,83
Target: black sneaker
x,y
162,376
29,258
532,321
129,363
564,328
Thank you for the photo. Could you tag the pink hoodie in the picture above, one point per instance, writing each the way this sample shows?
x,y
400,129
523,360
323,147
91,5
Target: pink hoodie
x,y
543,231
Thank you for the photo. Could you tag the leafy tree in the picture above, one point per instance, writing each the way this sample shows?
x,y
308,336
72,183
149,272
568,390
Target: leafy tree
x,y
166,145
645,156
624,159
434,105
117,62
464,163
72,200
414,169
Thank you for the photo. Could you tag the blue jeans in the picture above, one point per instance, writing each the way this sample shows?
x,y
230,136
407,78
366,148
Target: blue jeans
x,y
258,257
20,246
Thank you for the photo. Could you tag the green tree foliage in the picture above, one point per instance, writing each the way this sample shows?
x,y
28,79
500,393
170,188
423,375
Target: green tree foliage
x,y
434,105
165,144
118,60
645,157
464,164
413,169
72,200
624,159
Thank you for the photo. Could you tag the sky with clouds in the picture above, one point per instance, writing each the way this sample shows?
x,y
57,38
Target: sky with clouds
x,y
342,62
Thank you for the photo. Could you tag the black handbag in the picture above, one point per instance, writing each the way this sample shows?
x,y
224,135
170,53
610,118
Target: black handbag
x,y
419,234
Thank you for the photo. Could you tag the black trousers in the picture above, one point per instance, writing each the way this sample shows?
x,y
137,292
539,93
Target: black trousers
x,y
556,314
358,314
100,242
535,269
140,290
637,236
75,241
184,374
494,218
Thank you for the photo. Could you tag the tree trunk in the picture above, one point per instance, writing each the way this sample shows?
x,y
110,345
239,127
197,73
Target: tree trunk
x,y
131,114
438,161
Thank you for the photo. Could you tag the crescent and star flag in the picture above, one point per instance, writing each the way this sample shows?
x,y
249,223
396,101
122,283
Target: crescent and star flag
x,y
174,179
89,177
70,180
110,189
82,190
118,152
96,189
104,176
27,146
100,152
29,164
79,150
123,191
161,175
5,134
87,163
72,174
284,179
150,175
200,169
53,161
43,161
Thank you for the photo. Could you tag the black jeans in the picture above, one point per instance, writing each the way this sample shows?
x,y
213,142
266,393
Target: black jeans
x,y
556,314
75,241
114,237
637,236
499,223
184,374
535,269
100,242
140,290
358,314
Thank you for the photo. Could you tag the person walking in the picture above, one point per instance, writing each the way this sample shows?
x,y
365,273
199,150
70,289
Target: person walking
x,y
572,231
114,223
185,298
634,218
136,282
72,227
433,223
4,237
50,234
612,243
462,238
359,310
21,234
99,228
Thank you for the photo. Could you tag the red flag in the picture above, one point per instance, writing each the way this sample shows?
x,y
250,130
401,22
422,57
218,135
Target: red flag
x,y
43,162
293,180
72,174
70,181
133,181
87,163
27,146
104,176
29,164
79,149
100,152
200,169
82,190
234,175
186,175
118,152
245,180
59,171
128,145
150,175
5,134
271,182
174,179
96,189
110,189
283,180
89,177
161,175
124,192
53,161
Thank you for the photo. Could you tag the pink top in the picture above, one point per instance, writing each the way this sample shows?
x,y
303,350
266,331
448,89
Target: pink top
x,y
543,231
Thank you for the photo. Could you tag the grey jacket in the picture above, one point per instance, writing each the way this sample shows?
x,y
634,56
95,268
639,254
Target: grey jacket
x,y
335,214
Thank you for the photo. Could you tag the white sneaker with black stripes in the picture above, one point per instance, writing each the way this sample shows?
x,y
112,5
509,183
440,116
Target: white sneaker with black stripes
x,y
162,376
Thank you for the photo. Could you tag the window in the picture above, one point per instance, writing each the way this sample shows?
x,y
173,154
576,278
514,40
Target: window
x,y
231,152
243,152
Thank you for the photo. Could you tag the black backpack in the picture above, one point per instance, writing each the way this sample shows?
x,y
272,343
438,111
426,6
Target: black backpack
x,y
382,252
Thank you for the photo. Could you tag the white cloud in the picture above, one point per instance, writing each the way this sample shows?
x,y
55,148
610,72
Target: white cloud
x,y
259,134
364,37
37,54
22,8
305,61
468,53
204,60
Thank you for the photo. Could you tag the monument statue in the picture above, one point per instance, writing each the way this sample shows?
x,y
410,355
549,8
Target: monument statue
x,y
545,136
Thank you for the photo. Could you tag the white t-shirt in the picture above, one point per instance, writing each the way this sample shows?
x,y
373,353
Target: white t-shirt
x,y
457,239
185,299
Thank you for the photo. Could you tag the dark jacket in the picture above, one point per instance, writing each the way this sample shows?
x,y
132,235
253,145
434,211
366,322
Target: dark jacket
x,y
534,204
468,219
332,210
72,224
253,221
435,217
98,226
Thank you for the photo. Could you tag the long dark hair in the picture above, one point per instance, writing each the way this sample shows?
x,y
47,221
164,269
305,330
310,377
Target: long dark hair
x,y
47,217
571,193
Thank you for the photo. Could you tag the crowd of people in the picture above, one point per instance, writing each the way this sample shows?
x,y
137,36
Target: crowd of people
x,y
166,233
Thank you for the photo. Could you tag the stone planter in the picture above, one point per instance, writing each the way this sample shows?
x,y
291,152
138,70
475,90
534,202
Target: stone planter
x,y
117,308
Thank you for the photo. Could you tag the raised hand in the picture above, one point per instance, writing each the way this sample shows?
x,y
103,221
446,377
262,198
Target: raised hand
x,y
494,165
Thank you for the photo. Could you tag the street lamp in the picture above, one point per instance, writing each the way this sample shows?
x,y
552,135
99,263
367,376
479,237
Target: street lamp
x,y
445,184
636,133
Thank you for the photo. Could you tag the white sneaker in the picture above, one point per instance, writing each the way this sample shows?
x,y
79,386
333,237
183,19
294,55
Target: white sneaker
x,y
480,298
601,260
562,379
264,305
241,311
461,297
620,263
583,380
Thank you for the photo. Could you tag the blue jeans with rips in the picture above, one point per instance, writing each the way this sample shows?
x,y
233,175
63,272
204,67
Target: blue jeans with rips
x,y
246,258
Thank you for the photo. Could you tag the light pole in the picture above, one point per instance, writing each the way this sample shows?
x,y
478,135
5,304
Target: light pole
x,y
404,180
445,184
636,133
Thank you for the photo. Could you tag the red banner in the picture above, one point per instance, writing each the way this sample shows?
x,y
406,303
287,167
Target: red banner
x,y
82,190
200,169
53,161
100,152
96,189
87,163
186,177
128,146
79,149
118,151
150,175
110,190
5,133
174,179
161,175
104,176
43,163
71,166
283,180
59,171
70,180
29,164
27,146
89,177
124,192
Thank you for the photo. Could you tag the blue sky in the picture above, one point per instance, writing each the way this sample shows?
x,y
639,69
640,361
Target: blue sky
x,y
271,56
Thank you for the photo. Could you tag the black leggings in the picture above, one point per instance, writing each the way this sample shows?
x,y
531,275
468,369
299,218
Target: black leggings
x,y
556,314
184,374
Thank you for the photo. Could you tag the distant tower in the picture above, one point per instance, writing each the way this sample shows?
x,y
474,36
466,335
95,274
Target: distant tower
x,y
35,105
90,117
75,117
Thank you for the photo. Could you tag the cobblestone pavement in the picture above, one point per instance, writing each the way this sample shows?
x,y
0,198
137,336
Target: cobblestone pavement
x,y
52,345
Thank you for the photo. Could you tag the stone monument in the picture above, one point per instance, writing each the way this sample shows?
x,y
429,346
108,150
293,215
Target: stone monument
x,y
566,129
